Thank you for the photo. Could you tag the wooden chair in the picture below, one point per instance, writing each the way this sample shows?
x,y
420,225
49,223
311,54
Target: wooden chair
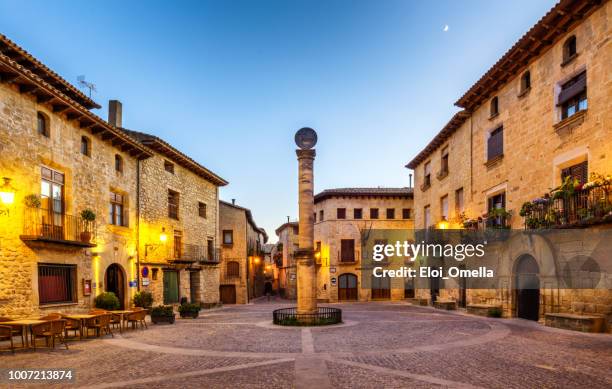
x,y
116,321
137,317
16,330
100,324
57,329
42,330
6,333
72,325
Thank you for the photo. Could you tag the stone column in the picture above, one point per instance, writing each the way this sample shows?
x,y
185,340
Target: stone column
x,y
306,272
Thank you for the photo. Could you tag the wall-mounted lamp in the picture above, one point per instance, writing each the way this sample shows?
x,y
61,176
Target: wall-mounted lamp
x,y
443,224
7,195
152,247
163,237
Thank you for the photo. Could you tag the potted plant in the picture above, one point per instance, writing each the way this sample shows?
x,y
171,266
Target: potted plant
x,y
162,314
88,217
107,301
189,310
143,299
32,201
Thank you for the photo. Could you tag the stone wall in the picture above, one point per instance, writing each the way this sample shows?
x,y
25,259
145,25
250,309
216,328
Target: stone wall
x,y
331,231
234,219
287,235
88,182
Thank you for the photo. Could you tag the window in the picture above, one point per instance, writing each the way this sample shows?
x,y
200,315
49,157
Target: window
x,y
210,249
494,106
296,230
459,207
444,208
42,124
497,201
573,97
577,172
169,167
117,214
233,269
569,49
321,216
427,216
202,209
178,244
341,213
525,82
495,144
52,201
154,273
56,284
347,250
444,162
228,237
314,217
373,213
118,163
427,175
318,246
357,213
173,204
390,213
406,213
85,146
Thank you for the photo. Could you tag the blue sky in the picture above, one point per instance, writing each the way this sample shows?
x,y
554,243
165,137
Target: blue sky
x,y
229,82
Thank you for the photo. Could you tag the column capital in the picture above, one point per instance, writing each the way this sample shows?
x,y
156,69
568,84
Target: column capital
x,y
306,154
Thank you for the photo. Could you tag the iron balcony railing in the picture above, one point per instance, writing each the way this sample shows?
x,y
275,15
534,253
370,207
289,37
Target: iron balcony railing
x,y
581,208
47,225
196,253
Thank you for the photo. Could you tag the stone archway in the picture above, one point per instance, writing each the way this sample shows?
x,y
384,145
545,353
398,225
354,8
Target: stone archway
x,y
526,285
114,281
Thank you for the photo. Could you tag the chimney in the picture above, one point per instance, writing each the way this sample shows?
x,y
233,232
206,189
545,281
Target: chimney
x,y
287,219
115,113
233,201
410,180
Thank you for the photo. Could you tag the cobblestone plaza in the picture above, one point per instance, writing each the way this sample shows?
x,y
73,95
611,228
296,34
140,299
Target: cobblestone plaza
x,y
379,345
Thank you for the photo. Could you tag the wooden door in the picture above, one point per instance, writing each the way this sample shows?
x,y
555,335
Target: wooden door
x,y
171,287
347,287
228,294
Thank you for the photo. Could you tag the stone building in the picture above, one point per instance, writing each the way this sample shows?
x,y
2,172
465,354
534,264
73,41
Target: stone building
x,y
541,114
285,261
59,159
344,220
178,222
242,265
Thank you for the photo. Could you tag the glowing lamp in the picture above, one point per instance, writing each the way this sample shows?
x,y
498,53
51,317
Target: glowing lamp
x,y
163,237
317,255
443,224
7,192
256,259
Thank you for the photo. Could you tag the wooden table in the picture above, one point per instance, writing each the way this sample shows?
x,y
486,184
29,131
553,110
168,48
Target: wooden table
x,y
25,324
121,313
81,317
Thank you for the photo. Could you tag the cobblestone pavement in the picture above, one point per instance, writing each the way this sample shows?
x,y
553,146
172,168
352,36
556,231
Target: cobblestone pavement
x,y
387,344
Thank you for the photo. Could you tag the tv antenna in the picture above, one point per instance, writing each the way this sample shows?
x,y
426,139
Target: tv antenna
x,y
84,84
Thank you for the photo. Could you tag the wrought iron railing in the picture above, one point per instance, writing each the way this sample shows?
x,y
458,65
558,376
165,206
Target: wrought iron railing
x,y
323,316
45,224
580,208
196,253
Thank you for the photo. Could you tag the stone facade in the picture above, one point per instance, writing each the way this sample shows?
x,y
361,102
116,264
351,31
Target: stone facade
x,y
286,247
331,230
244,280
28,237
178,235
538,144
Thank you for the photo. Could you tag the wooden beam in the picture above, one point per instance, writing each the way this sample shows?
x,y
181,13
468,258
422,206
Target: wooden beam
x,y
42,99
25,88
59,108
8,78
106,135
97,129
86,124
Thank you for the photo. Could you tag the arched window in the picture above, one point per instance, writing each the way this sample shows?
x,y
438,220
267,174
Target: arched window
x,y
118,163
85,146
525,81
569,48
233,269
494,106
42,124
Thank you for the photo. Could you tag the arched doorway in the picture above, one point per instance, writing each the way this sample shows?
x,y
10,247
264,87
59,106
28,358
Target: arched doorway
x,y
114,280
527,288
347,287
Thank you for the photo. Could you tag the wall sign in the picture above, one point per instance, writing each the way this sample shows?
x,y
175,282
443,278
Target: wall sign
x,y
86,287
332,269
145,271
333,281
133,283
145,282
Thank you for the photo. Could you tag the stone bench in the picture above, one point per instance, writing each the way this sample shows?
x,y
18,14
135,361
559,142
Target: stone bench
x,y
572,321
418,301
449,305
482,309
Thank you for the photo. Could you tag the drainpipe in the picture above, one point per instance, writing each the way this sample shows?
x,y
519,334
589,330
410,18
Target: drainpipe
x,y
138,224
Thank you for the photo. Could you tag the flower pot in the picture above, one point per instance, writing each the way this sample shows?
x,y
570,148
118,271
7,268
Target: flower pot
x,y
163,319
193,315
85,236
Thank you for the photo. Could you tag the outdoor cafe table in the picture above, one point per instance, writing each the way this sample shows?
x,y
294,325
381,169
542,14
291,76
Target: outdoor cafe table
x,y
81,317
25,324
121,313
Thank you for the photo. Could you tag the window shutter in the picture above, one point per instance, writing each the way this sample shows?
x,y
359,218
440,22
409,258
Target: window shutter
x,y
495,144
572,88
578,172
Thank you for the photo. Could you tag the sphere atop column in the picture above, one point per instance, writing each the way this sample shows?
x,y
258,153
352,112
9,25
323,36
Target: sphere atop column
x,y
306,138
